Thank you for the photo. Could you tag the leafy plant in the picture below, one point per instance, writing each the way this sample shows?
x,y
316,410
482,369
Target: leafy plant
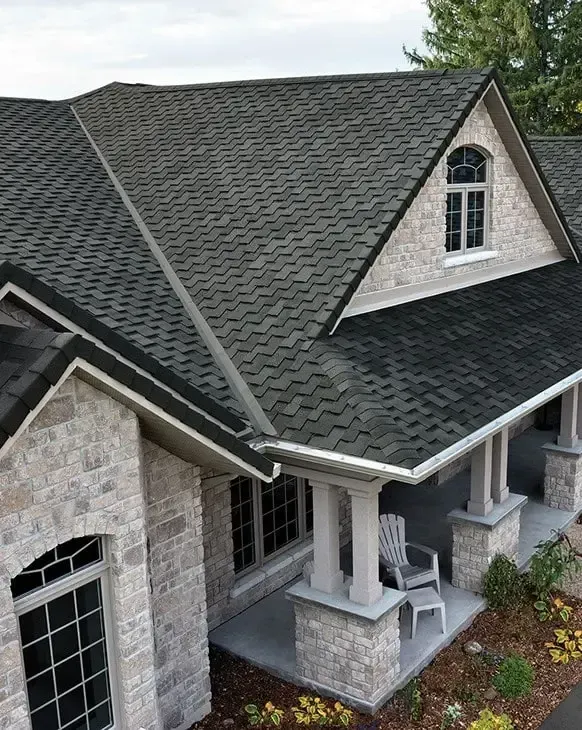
x,y
503,585
551,609
314,711
413,699
465,694
268,715
514,677
450,716
489,721
491,658
568,645
553,561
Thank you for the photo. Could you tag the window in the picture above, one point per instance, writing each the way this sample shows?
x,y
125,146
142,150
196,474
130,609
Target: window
x,y
268,517
60,600
467,193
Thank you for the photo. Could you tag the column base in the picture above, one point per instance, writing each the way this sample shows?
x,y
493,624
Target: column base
x,y
481,509
500,495
366,596
346,649
563,477
327,583
477,539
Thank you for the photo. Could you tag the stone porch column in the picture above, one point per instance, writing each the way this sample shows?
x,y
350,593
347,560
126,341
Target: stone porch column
x,y
563,474
366,588
327,576
486,527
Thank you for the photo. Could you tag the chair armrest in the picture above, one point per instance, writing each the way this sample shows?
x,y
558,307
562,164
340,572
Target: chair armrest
x,y
422,548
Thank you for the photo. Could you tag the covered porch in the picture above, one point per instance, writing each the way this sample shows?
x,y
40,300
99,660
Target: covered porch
x,y
268,635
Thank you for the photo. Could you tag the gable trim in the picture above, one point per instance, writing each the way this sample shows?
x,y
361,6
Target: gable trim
x,y
19,295
385,298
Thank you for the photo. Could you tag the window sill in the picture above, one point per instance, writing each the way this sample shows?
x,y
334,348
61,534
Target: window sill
x,y
468,258
283,560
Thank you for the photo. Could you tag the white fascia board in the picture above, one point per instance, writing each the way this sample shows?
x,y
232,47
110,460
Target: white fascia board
x,y
322,458
81,368
45,310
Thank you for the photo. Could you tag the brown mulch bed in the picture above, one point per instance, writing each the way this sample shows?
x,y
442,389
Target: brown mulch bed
x,y
453,677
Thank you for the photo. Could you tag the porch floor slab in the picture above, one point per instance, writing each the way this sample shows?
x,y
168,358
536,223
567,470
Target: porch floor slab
x,y
264,634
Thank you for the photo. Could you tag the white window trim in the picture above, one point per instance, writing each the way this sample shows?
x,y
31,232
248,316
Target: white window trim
x,y
260,559
40,597
465,190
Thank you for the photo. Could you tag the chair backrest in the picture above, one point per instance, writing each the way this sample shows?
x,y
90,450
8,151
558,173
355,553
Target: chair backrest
x,y
391,531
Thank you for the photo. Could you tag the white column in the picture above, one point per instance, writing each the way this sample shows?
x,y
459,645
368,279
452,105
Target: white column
x,y
568,437
481,502
499,488
366,588
327,576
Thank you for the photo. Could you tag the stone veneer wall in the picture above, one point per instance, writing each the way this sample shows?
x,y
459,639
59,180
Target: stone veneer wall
x,y
416,250
348,655
464,462
475,545
226,594
178,591
75,471
563,480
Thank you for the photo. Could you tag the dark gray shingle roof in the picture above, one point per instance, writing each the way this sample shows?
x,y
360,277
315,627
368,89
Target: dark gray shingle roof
x,y
272,199
561,161
62,220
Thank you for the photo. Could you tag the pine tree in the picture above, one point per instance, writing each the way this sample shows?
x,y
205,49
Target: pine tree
x,y
535,44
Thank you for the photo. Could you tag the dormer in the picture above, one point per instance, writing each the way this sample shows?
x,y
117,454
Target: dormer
x,y
473,220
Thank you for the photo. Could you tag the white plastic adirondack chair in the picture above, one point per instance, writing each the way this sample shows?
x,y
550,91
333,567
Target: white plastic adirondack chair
x,y
394,558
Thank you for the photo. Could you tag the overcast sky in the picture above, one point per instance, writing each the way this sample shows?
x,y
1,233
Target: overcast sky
x,y
58,48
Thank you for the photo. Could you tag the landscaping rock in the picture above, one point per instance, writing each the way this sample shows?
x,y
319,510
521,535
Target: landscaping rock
x,y
229,721
490,694
472,648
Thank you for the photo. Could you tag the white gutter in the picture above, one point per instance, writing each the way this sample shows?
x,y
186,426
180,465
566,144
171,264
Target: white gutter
x,y
367,467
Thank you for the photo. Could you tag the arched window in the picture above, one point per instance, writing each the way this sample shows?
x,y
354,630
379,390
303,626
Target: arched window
x,y
61,603
467,194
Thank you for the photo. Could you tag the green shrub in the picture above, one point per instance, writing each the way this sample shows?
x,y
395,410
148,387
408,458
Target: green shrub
x,y
489,721
553,562
503,585
514,677
413,699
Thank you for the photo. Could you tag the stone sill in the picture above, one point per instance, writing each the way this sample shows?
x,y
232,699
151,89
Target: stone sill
x,y
283,560
339,601
570,450
468,258
498,513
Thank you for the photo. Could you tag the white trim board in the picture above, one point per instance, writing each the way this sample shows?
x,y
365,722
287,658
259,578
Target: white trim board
x,y
66,324
141,405
373,301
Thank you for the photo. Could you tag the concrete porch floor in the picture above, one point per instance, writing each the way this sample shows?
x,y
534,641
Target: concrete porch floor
x,y
264,634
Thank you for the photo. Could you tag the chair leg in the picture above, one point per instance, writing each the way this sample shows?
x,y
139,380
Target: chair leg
x,y
443,620
413,625
438,584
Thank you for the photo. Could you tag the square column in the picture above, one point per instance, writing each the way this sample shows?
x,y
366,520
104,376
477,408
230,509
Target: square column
x,y
499,488
477,539
563,477
481,469
568,437
366,588
327,576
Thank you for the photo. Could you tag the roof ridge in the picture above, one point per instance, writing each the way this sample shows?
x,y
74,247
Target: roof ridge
x,y
558,137
379,75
